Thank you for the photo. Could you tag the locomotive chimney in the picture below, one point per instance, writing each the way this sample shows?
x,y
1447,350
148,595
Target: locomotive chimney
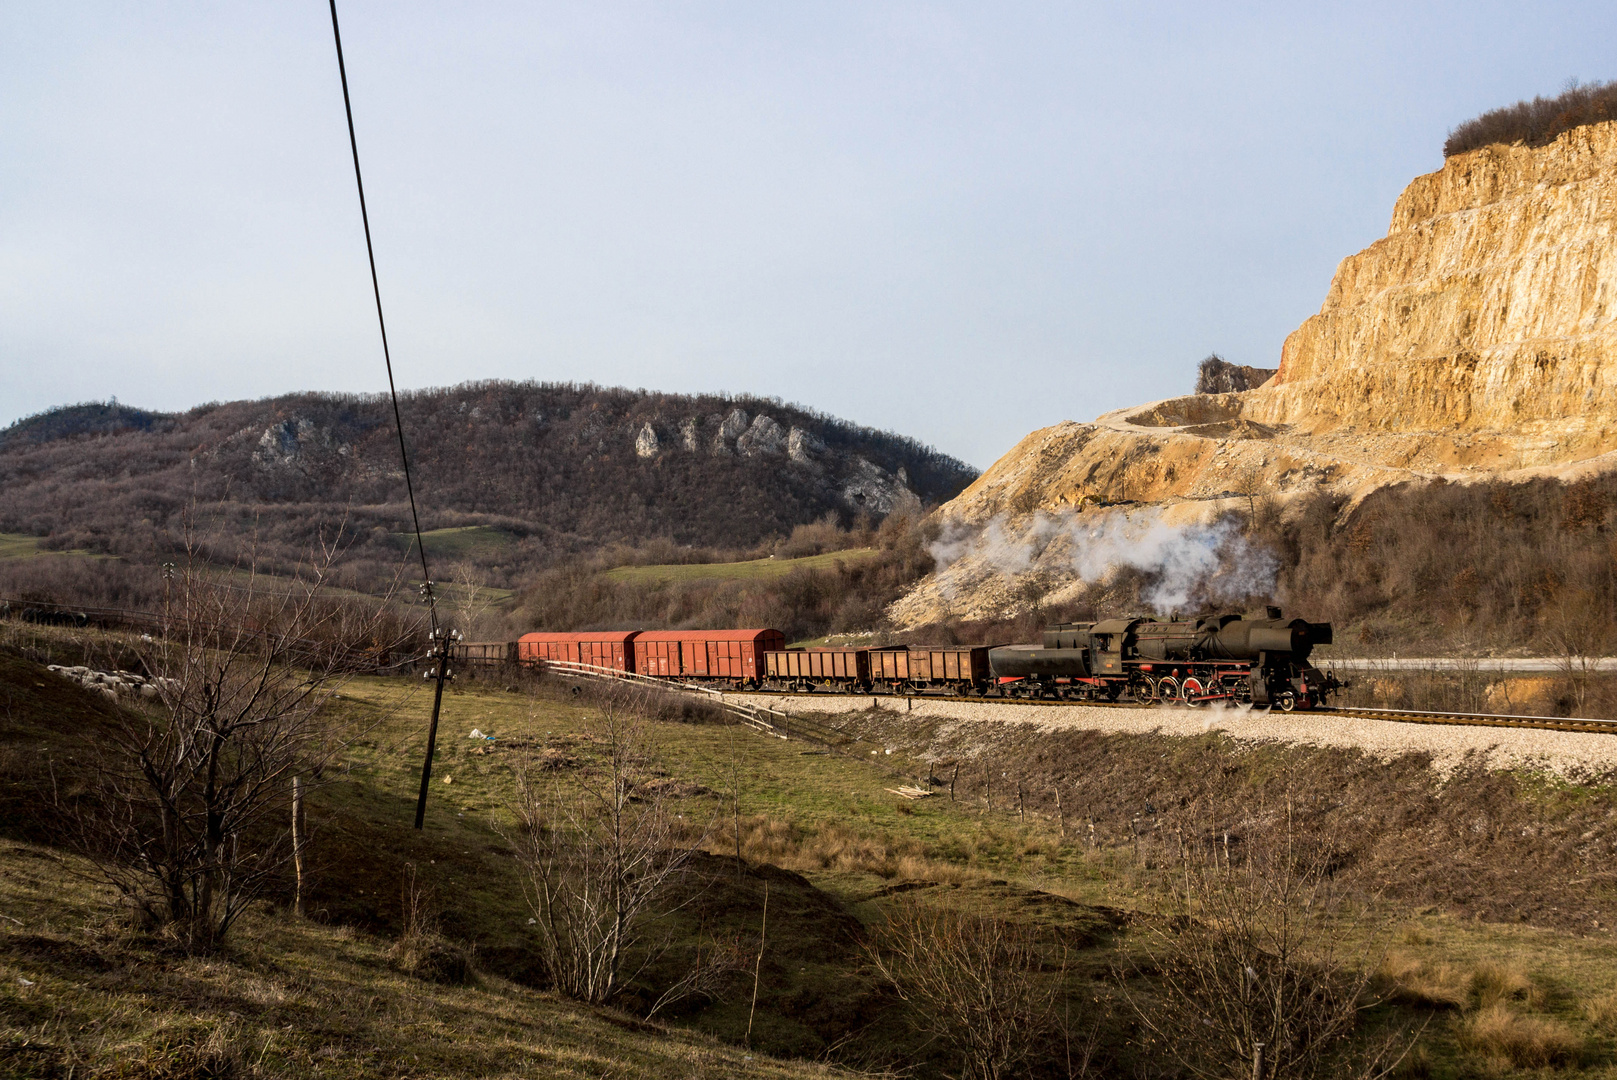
x,y
1274,612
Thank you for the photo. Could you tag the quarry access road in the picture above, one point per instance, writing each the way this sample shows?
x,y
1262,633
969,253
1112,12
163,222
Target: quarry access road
x,y
1449,745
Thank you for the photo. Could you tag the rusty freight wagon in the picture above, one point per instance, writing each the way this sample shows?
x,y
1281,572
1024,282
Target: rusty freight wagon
x,y
608,649
806,669
935,668
733,656
482,654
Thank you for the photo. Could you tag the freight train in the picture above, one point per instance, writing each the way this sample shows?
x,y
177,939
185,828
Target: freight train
x,y
1213,658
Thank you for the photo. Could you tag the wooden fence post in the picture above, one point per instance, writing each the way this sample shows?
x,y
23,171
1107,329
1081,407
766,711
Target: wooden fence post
x,y
955,776
297,845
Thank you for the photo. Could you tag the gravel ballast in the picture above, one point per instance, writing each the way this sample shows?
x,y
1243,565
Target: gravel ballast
x,y
1563,752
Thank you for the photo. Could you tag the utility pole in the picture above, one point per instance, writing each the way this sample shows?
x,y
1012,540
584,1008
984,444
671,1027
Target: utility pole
x,y
441,639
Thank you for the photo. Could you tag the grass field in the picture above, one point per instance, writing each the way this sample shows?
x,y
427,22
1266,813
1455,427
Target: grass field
x,y
463,542
752,569
18,546
818,832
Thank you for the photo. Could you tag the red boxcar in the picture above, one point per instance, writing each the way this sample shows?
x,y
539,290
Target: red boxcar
x,y
735,655
609,649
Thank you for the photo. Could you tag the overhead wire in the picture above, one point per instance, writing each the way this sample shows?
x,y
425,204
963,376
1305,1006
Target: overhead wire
x,y
440,637
381,322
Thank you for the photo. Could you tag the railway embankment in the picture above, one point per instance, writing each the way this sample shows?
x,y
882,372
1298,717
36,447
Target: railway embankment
x,y
1502,826
1445,747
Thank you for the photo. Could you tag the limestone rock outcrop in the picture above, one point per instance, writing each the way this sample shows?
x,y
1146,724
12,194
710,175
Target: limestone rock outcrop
x,y
1477,340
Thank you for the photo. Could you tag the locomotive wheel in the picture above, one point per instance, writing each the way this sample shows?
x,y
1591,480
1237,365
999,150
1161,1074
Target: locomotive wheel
x,y
1287,701
1167,688
1190,691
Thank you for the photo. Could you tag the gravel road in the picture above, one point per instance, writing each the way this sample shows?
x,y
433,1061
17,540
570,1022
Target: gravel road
x,y
1567,753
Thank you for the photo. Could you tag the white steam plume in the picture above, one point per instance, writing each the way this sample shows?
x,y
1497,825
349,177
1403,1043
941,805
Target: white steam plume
x,y
1200,562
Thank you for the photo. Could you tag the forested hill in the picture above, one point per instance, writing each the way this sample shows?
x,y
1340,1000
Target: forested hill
x,y
563,466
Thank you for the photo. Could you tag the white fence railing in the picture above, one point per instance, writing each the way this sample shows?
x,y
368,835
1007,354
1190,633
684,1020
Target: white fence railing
x,y
763,719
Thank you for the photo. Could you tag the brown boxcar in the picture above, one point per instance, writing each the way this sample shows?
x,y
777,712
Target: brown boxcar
x,y
733,655
842,667
890,665
936,666
608,649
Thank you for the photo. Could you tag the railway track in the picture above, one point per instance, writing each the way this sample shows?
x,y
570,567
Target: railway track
x,y
1404,716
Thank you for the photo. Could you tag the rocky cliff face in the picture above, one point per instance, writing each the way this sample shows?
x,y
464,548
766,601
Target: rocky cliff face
x,y
1488,307
1476,340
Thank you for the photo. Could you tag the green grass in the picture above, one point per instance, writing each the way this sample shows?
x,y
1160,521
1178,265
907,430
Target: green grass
x,y
843,842
751,570
289,998
462,542
19,546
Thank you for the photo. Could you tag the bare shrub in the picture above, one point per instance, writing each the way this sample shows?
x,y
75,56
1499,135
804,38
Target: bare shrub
x,y
422,950
1536,122
600,856
1578,628
191,790
1260,950
989,990
1216,375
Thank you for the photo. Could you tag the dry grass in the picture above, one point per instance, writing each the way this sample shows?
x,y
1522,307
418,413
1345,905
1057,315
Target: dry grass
x,y
1601,1012
290,999
836,849
1526,1042
1410,981
1499,984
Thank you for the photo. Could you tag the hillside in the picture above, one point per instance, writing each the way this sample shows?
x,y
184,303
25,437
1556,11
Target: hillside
x,y
1476,342
543,469
1467,901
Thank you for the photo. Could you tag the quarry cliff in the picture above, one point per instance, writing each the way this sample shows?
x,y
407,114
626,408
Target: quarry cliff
x,y
1476,340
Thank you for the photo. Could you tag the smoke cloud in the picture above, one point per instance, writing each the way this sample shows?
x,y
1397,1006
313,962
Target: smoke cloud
x,y
1186,563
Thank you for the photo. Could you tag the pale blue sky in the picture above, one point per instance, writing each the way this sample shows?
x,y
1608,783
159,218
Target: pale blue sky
x,y
957,221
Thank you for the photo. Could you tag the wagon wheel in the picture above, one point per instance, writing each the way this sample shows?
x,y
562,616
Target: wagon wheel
x,y
1167,688
1287,700
1190,691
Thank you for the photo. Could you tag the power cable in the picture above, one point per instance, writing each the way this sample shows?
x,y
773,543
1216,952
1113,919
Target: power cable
x,y
439,638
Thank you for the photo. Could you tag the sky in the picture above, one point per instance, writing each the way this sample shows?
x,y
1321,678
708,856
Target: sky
x,y
960,222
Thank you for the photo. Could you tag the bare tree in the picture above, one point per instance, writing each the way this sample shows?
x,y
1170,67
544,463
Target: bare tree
x,y
1579,629
986,988
1261,969
472,601
601,856
188,815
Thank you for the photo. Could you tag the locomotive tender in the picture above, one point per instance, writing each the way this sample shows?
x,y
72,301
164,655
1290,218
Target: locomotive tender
x,y
1211,658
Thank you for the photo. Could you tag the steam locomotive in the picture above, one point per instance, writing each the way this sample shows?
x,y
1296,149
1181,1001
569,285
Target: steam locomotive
x,y
1212,658
1189,661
